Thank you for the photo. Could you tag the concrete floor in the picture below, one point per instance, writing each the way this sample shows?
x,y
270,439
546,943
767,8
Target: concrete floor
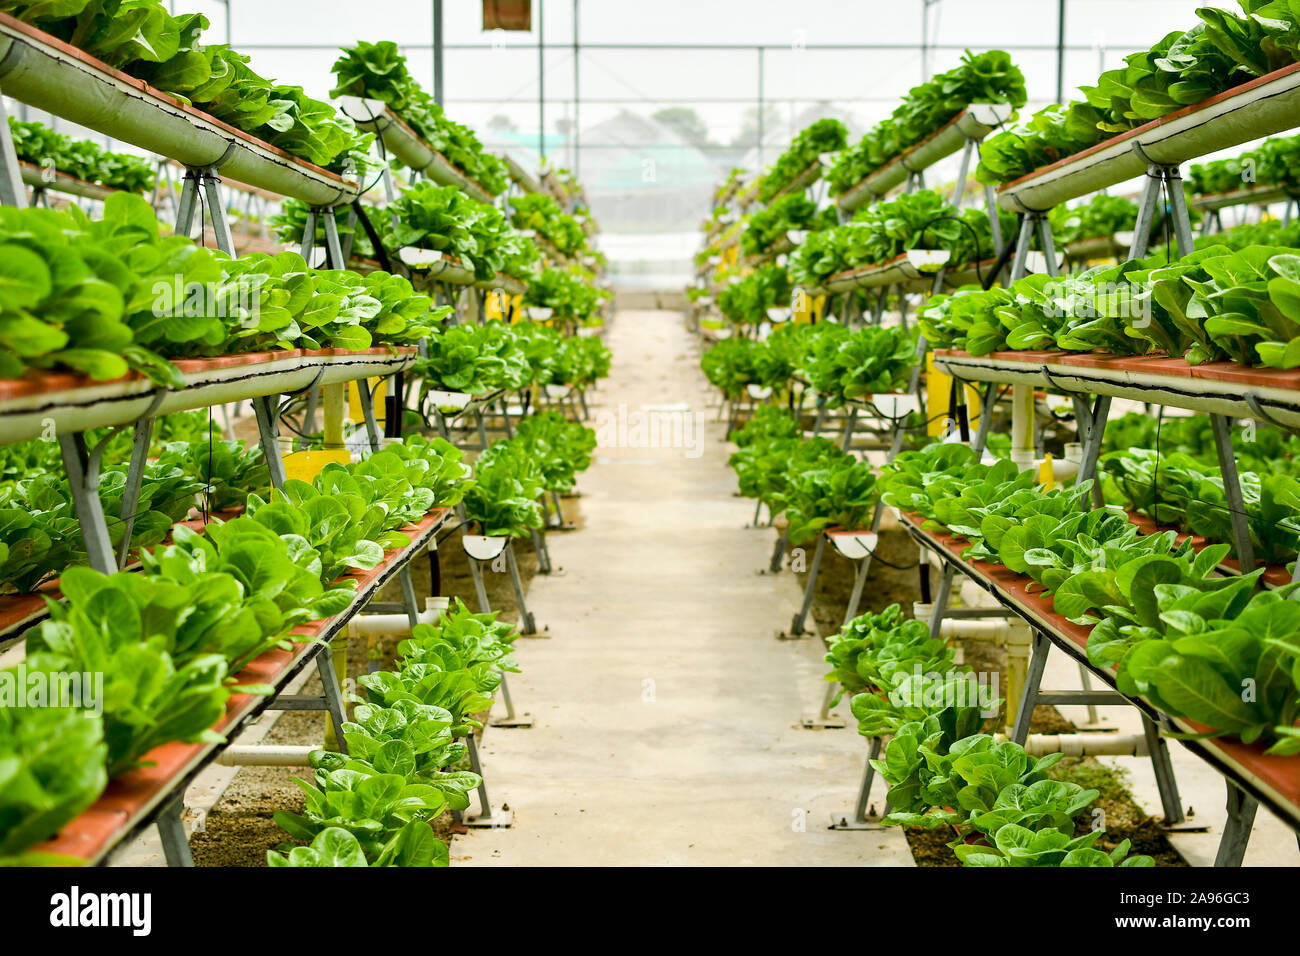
x,y
665,708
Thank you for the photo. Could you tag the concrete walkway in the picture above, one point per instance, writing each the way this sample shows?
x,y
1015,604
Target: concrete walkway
x,y
664,705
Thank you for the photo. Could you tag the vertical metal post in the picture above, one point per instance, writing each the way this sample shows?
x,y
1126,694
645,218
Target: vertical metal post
x,y
12,190
577,99
527,624
171,832
437,52
1166,782
82,467
1236,831
265,410
760,107
217,210
796,626
1243,545
134,479
366,399
1033,680
1060,51
541,81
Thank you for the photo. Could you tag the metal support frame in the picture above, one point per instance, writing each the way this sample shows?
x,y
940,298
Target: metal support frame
x,y
12,191
134,479
860,820
512,719
204,182
528,625
264,407
487,817
1242,544
82,466
366,399
1236,831
1158,751
330,700
171,832
1161,179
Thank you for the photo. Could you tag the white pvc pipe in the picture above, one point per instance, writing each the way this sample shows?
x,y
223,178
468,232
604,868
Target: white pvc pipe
x,y
1022,425
1087,745
265,755
384,625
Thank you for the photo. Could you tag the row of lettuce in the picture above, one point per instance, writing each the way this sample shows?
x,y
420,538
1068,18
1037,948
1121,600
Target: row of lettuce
x,y
109,296
1214,649
211,595
1224,50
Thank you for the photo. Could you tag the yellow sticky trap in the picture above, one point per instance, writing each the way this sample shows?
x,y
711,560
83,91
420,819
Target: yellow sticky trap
x,y
1046,476
492,306
938,393
801,307
819,307
355,415
516,309
306,465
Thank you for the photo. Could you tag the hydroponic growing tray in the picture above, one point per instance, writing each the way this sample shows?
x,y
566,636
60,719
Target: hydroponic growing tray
x,y
1274,781
38,178
910,266
377,117
1219,388
1261,107
133,800
74,403
48,74
973,123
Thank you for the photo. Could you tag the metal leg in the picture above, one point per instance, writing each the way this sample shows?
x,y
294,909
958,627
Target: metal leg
x,y
171,830
796,626
333,249
941,600
860,820
482,430
264,407
848,429
1146,212
542,550
1236,832
309,417
1092,447
1049,246
1163,766
82,467
528,625
134,478
189,200
859,582
217,210
986,417
1085,680
505,417
366,399
1243,545
333,695
778,553
511,718
476,572
821,416
1020,265
309,235
408,594
1178,211
1033,679
486,817
12,191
